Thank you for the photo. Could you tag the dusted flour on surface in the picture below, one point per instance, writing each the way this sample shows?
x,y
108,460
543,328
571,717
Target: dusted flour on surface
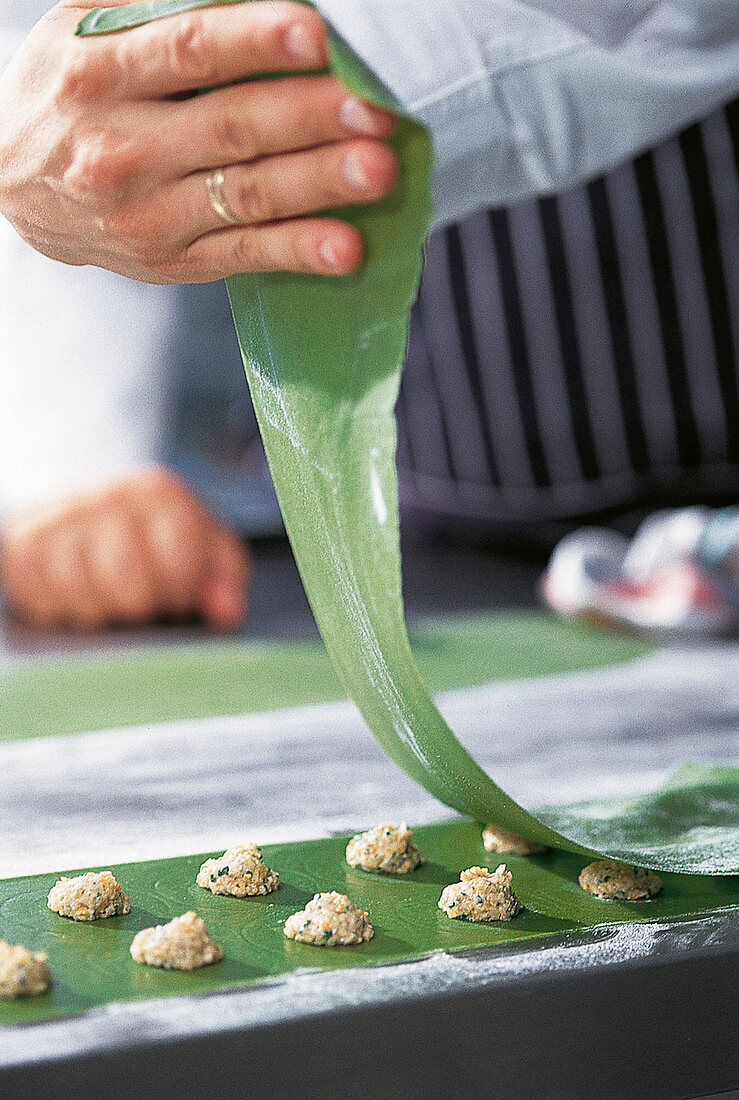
x,y
182,944
495,839
330,920
385,848
240,871
481,895
89,897
611,881
23,973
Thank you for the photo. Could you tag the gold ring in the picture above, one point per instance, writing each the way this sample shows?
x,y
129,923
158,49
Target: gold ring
x,y
214,183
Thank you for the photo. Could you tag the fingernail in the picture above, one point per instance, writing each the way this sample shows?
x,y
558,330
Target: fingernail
x,y
303,48
355,173
360,117
329,255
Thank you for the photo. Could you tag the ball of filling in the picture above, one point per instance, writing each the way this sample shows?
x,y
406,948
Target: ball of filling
x,y
23,973
93,896
240,871
385,848
330,920
182,944
610,881
481,895
495,839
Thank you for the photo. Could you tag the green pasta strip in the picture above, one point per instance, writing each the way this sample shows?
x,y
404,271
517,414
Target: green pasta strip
x,y
79,694
323,358
91,964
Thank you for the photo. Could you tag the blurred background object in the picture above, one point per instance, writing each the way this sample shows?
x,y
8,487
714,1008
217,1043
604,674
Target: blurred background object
x,y
678,575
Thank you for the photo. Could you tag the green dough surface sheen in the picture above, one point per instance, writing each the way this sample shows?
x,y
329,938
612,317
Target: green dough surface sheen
x,y
91,965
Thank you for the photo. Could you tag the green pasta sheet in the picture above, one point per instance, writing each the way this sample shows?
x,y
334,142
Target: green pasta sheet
x,y
78,694
92,966
323,358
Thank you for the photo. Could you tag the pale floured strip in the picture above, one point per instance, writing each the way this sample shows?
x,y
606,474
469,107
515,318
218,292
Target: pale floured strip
x,y
185,787
301,995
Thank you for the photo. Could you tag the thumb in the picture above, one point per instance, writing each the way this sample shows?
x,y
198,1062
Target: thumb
x,y
225,586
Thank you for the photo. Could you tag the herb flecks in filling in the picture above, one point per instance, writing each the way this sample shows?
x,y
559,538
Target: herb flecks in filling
x,y
481,895
240,872
386,849
330,920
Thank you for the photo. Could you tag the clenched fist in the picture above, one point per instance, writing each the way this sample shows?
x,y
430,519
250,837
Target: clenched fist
x,y
105,153
141,548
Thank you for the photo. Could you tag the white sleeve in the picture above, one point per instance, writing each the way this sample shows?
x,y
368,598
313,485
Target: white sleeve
x,y
524,97
81,392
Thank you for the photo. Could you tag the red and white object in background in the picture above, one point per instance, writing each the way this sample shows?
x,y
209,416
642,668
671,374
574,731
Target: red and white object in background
x,y
678,575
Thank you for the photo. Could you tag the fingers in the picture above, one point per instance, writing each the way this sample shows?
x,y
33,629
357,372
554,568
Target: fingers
x,y
112,559
63,584
223,594
211,46
23,573
322,246
43,575
195,565
259,119
99,136
172,525
287,186
143,548
267,195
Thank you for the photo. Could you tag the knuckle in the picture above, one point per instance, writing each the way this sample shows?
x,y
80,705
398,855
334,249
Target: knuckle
x,y
186,528
248,252
235,137
107,501
22,553
101,169
112,536
190,52
81,77
252,197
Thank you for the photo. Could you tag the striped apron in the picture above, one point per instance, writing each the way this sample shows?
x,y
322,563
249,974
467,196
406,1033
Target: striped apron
x,y
575,355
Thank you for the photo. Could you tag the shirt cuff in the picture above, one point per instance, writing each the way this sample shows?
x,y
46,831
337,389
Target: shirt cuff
x,y
441,62
527,97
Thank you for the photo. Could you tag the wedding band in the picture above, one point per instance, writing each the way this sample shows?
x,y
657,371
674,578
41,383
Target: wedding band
x,y
214,183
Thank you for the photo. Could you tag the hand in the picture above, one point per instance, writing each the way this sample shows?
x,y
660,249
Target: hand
x,y
142,548
104,152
